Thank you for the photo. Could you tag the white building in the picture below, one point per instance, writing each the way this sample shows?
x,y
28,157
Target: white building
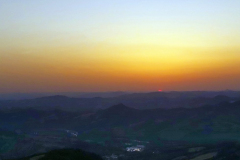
x,y
138,148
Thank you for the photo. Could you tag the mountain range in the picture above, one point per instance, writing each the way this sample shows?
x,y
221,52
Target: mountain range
x,y
166,100
171,120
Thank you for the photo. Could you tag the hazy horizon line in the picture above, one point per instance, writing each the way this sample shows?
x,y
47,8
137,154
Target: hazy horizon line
x,y
83,92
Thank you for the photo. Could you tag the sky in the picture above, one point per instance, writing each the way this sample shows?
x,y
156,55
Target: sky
x,y
120,45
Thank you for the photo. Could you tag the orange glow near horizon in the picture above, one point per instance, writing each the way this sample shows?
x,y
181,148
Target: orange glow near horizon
x,y
122,47
129,69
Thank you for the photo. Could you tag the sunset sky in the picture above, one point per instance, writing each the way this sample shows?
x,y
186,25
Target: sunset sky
x,y
119,45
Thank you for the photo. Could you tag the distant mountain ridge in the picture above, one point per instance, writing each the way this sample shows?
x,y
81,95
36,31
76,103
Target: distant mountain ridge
x,y
22,96
119,114
151,100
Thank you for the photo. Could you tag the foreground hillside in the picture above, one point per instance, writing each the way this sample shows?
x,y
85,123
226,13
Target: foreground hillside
x,y
223,151
64,154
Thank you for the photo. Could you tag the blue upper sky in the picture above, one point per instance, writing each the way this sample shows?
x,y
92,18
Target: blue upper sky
x,y
99,20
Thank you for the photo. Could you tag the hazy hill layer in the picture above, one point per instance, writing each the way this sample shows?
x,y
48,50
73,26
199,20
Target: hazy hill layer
x,y
166,100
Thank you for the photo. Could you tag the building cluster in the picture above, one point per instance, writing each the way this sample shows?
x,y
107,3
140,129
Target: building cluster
x,y
112,157
72,133
138,148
